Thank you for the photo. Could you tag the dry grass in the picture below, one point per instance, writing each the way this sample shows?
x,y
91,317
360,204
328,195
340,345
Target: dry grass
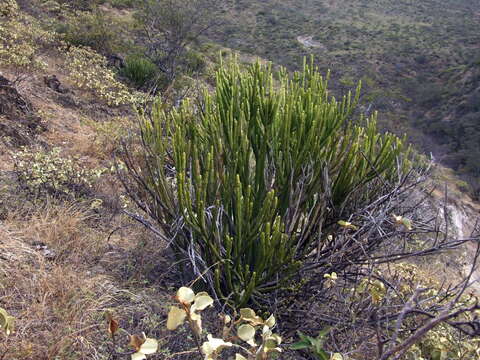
x,y
62,268
58,305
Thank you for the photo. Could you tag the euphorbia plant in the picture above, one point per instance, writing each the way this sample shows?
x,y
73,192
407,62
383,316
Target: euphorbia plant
x,y
249,182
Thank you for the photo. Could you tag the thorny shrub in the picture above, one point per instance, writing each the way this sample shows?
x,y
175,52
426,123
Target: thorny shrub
x,y
50,173
89,70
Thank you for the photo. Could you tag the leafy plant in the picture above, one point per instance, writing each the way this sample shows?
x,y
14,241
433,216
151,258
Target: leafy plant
x,y
49,173
260,173
245,329
6,322
314,345
22,40
89,70
90,28
140,71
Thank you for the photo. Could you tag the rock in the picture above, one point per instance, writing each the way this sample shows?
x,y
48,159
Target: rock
x,y
19,122
115,61
44,250
53,83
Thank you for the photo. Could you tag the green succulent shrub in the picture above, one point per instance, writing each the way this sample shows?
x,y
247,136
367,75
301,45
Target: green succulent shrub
x,y
140,71
244,181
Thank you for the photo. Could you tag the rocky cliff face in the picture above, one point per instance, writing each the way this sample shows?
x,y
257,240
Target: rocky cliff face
x,y
463,220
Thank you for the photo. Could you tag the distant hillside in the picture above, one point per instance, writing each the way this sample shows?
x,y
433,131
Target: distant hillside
x,y
418,60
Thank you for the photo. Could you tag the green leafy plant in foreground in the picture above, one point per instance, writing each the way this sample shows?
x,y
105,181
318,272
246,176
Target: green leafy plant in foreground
x,y
253,179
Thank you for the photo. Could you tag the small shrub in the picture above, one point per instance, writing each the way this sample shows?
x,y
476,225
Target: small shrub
x,y
140,71
49,173
81,4
123,4
194,62
444,342
89,70
21,42
8,8
92,29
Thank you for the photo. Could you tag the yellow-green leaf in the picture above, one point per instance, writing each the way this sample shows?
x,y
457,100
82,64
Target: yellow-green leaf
x,y
270,322
201,303
347,225
249,315
150,346
246,332
176,317
185,295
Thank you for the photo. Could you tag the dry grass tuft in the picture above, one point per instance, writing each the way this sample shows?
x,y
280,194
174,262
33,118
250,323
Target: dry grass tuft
x,y
60,271
57,302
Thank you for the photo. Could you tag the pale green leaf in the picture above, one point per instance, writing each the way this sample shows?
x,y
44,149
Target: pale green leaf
x,y
249,315
185,295
150,346
176,317
138,356
270,322
201,303
246,332
214,345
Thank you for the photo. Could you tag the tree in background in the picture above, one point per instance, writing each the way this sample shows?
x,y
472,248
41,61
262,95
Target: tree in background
x,y
168,27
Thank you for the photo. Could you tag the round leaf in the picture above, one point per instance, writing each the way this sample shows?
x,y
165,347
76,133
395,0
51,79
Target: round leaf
x,y
246,332
201,303
185,295
247,313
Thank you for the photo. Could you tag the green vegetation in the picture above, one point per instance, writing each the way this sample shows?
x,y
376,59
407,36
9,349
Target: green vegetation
x,y
42,173
140,71
266,189
419,55
256,171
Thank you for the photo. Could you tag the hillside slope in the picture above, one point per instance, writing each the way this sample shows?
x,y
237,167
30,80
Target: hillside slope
x,y
419,61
